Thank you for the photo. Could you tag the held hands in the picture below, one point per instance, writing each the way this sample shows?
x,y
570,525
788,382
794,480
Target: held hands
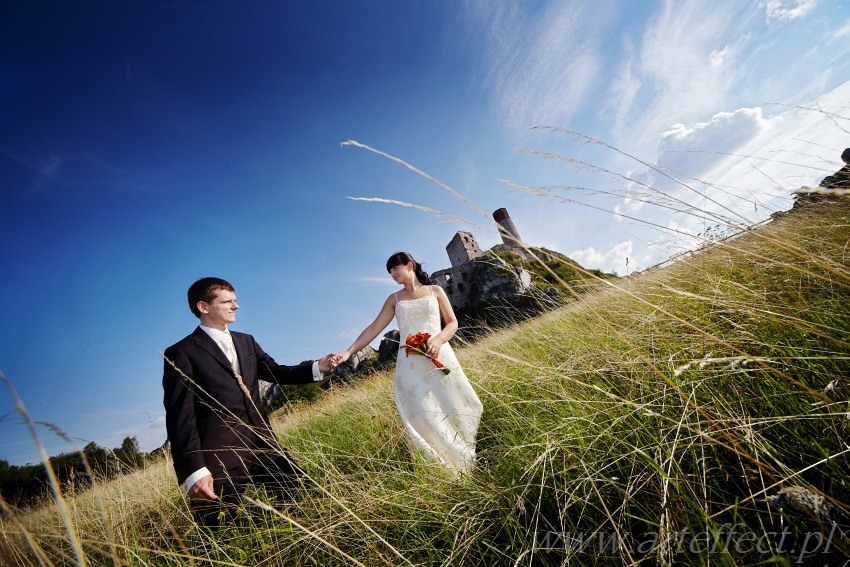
x,y
328,363
341,357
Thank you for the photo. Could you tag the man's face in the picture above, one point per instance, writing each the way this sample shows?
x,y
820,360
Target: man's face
x,y
221,311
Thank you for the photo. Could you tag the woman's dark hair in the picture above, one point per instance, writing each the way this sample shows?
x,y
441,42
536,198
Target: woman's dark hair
x,y
401,259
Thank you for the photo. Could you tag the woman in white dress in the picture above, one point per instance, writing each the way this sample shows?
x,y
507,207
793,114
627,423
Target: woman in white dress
x,y
439,410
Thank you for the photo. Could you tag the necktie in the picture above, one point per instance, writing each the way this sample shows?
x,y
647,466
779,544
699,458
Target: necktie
x,y
229,348
230,352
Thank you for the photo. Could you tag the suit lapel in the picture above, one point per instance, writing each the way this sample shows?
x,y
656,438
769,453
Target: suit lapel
x,y
203,340
240,341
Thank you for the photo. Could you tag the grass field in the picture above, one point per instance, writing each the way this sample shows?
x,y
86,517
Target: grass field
x,y
696,414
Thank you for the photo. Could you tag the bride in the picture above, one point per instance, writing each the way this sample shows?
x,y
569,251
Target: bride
x,y
438,407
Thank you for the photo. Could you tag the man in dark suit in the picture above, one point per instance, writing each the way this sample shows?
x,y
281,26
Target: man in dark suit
x,y
219,432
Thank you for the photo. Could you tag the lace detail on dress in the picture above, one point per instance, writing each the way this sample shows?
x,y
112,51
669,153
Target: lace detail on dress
x,y
420,315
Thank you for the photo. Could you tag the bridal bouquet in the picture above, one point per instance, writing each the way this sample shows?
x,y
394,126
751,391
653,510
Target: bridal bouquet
x,y
417,344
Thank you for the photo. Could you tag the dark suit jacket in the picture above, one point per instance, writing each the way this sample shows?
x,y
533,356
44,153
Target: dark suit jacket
x,y
211,421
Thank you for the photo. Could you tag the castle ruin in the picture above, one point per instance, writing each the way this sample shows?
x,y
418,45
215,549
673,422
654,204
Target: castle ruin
x,y
463,248
469,282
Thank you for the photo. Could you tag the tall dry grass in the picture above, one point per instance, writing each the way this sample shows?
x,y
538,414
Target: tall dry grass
x,y
695,414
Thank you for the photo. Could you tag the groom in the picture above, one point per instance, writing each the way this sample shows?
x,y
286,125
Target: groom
x,y
219,432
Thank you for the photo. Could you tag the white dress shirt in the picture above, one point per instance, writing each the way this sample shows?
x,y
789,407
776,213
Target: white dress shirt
x,y
218,336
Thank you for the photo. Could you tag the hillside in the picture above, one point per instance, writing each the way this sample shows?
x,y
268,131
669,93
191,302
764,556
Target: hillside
x,y
694,414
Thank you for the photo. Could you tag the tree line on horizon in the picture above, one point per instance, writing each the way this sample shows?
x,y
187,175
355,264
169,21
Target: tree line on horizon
x,y
26,486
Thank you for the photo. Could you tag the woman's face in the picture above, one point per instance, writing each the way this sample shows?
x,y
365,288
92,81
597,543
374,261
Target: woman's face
x,y
402,272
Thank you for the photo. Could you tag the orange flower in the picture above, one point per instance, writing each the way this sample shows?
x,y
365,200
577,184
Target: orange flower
x,y
418,344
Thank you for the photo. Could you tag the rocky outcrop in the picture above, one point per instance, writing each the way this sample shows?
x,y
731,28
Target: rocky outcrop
x,y
389,347
832,189
359,361
841,178
499,281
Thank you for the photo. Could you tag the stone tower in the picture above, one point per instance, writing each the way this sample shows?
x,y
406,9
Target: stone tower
x,y
462,248
509,233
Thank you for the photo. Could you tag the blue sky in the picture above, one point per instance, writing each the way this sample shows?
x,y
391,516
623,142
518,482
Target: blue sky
x,y
146,144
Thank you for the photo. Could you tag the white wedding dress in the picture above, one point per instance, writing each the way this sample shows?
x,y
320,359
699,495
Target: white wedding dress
x,y
440,412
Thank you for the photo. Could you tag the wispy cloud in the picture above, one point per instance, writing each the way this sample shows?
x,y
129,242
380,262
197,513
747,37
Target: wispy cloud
x,y
678,62
45,168
685,85
686,63
623,88
787,10
129,411
80,167
841,32
547,73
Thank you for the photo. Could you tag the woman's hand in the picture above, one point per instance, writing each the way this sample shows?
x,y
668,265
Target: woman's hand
x,y
434,344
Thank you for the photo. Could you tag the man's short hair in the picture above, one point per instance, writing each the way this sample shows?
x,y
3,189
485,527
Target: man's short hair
x,y
845,157
205,290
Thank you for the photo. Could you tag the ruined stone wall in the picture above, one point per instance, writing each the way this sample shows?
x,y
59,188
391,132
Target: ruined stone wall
x,y
457,283
462,248
483,280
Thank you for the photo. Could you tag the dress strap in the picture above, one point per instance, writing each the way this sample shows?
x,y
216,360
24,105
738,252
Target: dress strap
x,y
396,297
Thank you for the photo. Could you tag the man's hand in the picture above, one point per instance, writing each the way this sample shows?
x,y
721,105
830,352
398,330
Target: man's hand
x,y
203,489
328,363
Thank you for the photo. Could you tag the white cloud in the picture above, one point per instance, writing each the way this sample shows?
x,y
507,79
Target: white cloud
x,y
665,90
616,259
694,150
627,208
717,57
679,63
787,10
157,424
348,335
